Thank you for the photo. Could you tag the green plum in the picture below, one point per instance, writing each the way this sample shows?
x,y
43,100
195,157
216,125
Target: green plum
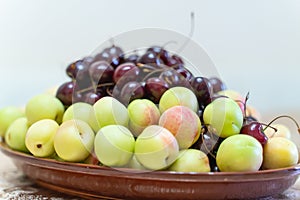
x,y
239,153
74,140
234,95
142,113
16,133
40,136
224,117
156,148
7,116
114,145
44,106
177,96
109,111
82,111
191,160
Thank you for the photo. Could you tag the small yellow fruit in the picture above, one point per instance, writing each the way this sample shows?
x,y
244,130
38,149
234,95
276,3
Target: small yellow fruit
x,y
279,152
282,131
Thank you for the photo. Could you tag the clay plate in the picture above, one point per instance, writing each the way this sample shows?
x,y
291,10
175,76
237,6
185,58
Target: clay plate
x,y
94,182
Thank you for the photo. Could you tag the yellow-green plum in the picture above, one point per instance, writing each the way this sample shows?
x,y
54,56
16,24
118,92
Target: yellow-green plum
x,y
224,117
280,152
183,123
16,133
7,116
178,96
110,111
239,153
135,164
74,140
40,136
142,113
156,148
282,131
114,145
84,112
44,106
234,95
191,160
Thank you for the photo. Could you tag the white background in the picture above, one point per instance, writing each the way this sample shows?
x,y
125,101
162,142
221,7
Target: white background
x,y
254,44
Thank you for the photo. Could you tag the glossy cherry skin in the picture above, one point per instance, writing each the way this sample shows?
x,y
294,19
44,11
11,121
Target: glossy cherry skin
x,y
202,89
255,129
69,93
150,57
161,52
154,88
114,55
126,72
101,72
217,84
131,90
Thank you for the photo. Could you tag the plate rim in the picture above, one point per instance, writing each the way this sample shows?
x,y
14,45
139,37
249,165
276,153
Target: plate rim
x,y
83,167
46,172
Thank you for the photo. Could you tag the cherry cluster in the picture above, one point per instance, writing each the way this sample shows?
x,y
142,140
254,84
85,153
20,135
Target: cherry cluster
x,y
133,76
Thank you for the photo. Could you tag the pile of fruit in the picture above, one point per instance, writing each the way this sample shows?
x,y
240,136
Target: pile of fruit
x,y
146,111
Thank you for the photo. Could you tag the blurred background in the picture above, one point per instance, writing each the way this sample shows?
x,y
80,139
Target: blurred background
x,y
255,45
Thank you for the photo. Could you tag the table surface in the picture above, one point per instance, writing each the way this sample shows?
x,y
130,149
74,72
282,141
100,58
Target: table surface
x,y
15,186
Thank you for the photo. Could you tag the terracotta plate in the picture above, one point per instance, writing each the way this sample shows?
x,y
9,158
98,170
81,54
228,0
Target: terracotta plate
x,y
94,182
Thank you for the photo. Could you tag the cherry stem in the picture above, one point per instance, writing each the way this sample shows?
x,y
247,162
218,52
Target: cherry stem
x,y
92,87
246,99
164,45
284,116
109,92
245,104
269,126
154,71
190,35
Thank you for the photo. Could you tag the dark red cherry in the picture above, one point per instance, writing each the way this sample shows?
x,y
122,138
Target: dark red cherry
x,y
255,129
161,52
131,90
73,68
78,71
185,73
101,72
202,89
88,60
67,93
173,78
132,58
92,97
154,88
217,84
114,55
127,72
175,61
150,57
